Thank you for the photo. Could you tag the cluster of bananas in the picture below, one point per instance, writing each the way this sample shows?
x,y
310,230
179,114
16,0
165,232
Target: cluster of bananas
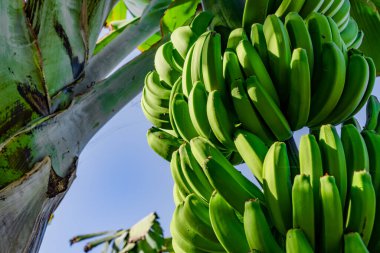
x,y
329,205
217,102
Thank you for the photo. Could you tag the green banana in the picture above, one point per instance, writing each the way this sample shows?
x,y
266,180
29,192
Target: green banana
x,y
231,68
326,6
178,176
361,205
370,86
354,89
181,118
163,143
279,54
303,208
258,41
257,230
196,58
252,65
310,6
221,124
177,88
235,37
177,195
372,112
211,63
299,36
154,87
353,121
277,186
332,216
247,114
311,165
288,6
358,40
237,189
198,113
194,174
227,226
335,35
355,151
187,82
268,109
334,161
183,38
350,32
353,243
254,12
342,15
372,141
329,84
253,150
163,62
300,90
296,242
158,119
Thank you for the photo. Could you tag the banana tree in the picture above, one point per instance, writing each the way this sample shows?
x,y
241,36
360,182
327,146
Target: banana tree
x,y
59,86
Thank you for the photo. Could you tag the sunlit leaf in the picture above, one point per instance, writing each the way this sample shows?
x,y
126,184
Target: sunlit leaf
x,y
178,13
119,12
151,41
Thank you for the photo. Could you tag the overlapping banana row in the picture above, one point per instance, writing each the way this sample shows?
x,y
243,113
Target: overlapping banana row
x,y
280,78
329,207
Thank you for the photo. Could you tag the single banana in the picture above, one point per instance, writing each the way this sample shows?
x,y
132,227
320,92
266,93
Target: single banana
x,y
334,8
194,174
335,34
372,111
178,177
163,62
196,58
258,41
268,109
350,32
252,65
355,151
358,40
353,243
235,37
182,119
354,89
343,14
353,121
311,165
231,68
303,207
277,186
177,195
299,36
279,54
370,86
177,88
332,216
372,141
227,226
183,38
155,88
187,82
253,150
257,230
334,161
330,84
310,6
221,124
300,90
163,143
201,22
211,63
254,12
288,6
361,205
237,189
297,242
248,116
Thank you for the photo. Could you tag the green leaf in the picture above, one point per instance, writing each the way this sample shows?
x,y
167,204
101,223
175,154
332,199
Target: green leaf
x,y
178,13
151,41
113,35
119,12
136,7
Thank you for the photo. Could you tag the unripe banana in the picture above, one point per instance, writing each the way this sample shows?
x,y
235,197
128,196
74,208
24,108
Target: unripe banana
x,y
183,38
257,229
196,59
361,205
277,186
343,14
352,121
310,6
350,32
353,243
258,41
325,6
235,37
303,208
227,226
254,12
163,143
372,111
164,65
296,242
288,6
177,195
372,141
187,82
231,68
334,8
178,176
332,216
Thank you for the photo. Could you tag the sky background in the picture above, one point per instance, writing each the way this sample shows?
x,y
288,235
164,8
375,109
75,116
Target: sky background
x,y
119,181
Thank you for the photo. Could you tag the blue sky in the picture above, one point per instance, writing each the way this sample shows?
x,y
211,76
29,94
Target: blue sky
x,y
119,181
